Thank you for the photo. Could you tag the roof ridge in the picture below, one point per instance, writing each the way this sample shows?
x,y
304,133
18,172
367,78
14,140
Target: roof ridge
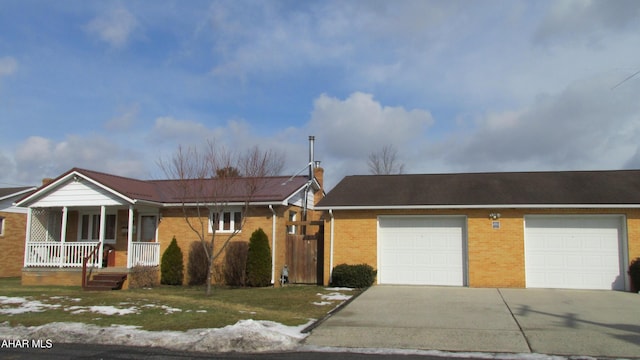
x,y
81,170
498,172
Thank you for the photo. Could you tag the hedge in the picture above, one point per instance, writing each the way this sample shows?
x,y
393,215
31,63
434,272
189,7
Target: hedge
x,y
353,276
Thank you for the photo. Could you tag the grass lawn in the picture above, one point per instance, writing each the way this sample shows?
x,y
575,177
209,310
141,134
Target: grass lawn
x,y
163,308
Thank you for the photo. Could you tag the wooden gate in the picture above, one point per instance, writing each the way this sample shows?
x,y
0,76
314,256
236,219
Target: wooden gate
x,y
305,258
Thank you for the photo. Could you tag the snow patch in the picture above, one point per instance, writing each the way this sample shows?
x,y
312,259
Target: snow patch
x,y
25,305
112,310
338,289
334,296
322,303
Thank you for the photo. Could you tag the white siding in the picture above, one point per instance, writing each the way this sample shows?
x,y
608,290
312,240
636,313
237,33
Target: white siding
x,y
78,193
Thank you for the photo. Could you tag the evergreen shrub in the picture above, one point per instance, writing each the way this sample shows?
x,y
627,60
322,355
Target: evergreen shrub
x,y
172,265
259,260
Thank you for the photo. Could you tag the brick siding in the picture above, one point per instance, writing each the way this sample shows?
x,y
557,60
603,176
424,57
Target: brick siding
x,y
12,244
495,257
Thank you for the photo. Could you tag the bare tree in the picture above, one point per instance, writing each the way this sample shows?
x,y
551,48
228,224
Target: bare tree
x,y
208,179
385,161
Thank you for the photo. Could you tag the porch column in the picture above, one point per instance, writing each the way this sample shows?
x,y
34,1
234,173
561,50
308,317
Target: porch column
x,y
27,237
63,236
130,238
103,210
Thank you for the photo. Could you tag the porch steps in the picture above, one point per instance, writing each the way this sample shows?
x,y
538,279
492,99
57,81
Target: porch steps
x,y
106,281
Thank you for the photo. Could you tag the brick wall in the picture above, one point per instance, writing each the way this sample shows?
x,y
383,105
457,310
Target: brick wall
x,y
12,244
495,257
173,223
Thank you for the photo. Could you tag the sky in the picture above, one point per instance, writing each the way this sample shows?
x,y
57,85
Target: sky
x,y
453,86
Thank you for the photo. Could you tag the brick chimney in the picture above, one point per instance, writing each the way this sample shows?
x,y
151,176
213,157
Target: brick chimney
x,y
318,173
46,181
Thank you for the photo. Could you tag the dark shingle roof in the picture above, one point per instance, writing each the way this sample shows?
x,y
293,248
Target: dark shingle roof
x,y
15,191
619,187
267,189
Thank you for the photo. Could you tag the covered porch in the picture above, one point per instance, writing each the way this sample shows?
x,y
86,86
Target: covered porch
x,y
62,236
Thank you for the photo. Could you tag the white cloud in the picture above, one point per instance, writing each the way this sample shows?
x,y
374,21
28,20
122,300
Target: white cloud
x,y
587,20
358,125
114,27
171,131
38,157
586,126
349,130
125,119
8,66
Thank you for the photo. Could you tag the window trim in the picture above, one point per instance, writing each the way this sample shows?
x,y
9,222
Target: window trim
x,y
233,215
293,216
139,228
91,214
3,221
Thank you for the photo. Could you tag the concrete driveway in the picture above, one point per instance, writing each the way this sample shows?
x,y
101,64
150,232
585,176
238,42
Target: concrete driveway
x,y
555,322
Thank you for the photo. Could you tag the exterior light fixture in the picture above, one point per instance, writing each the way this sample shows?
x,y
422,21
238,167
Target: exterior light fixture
x,y
494,216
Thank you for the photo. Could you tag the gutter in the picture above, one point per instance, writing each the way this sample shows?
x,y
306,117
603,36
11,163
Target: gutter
x,y
273,248
331,246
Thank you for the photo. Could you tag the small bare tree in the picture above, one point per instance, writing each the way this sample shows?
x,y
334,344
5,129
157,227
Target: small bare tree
x,y
385,161
208,179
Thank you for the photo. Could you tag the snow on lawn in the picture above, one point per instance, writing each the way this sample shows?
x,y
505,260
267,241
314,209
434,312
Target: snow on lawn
x,y
244,336
19,305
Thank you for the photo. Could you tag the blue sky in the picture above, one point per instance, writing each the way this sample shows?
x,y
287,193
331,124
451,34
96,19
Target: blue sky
x,y
454,86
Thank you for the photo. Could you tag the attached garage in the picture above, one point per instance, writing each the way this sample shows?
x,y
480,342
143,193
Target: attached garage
x,y
575,252
554,229
422,250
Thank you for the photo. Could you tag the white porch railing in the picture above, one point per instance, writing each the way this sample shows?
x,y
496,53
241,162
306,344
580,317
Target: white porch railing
x,y
145,254
71,254
48,254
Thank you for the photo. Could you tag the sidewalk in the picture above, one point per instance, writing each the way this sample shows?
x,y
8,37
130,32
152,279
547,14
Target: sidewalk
x,y
558,322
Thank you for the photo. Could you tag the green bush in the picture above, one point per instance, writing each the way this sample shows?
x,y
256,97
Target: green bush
x,y
198,265
353,276
172,266
235,263
634,273
259,260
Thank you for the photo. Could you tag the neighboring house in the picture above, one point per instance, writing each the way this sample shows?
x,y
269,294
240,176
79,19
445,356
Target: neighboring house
x,y
13,224
133,221
574,229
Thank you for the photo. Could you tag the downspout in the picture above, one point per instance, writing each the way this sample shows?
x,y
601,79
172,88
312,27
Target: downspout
x,y
273,248
331,246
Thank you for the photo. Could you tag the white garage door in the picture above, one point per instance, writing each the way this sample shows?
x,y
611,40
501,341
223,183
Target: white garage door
x,y
421,250
574,252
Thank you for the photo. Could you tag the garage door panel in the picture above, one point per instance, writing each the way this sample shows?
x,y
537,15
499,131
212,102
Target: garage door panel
x,y
421,250
574,252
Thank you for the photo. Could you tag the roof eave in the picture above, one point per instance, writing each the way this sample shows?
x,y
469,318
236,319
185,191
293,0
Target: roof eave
x,y
483,206
231,203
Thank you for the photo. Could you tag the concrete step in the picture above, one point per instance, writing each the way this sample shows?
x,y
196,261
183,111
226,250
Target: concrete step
x,y
106,281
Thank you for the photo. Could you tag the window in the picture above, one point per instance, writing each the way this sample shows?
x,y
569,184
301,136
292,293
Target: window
x,y
230,221
1,226
291,229
148,226
90,227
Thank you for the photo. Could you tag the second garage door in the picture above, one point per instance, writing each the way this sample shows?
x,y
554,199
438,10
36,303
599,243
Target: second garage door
x,y
421,250
574,252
